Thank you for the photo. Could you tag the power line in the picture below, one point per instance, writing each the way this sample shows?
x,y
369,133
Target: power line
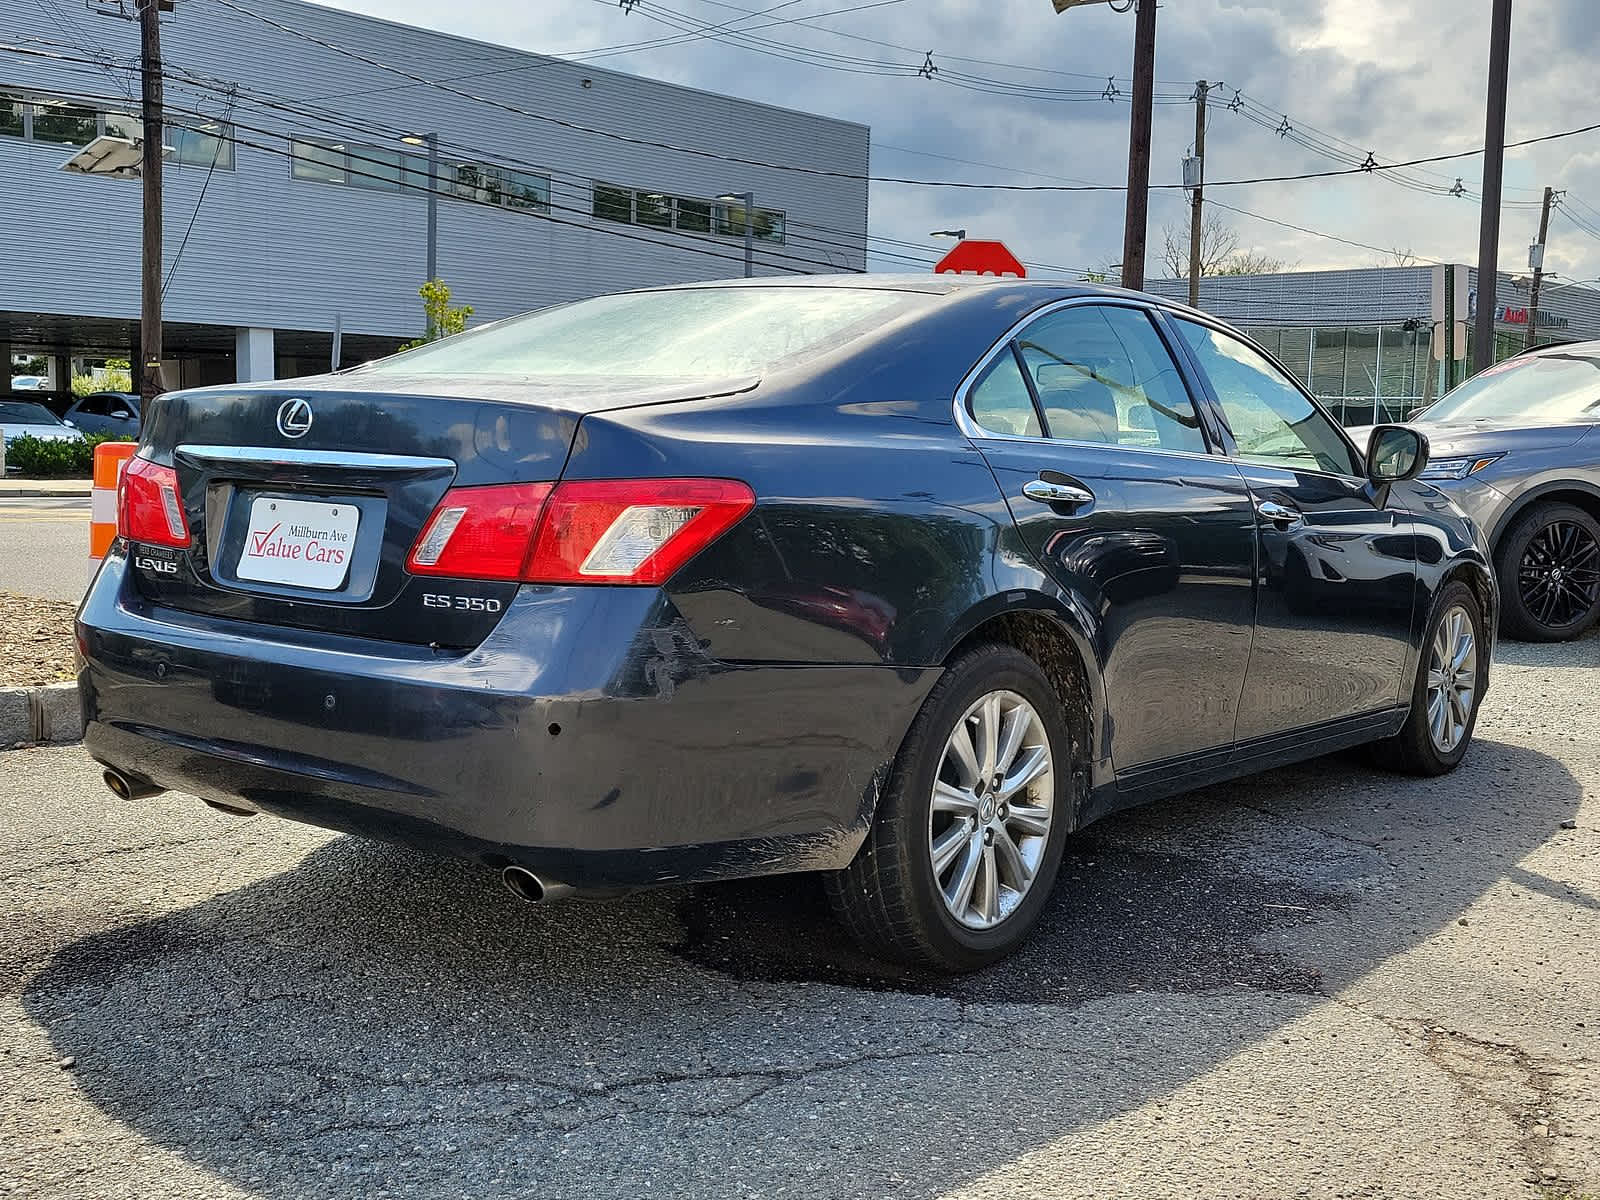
x,y
1333,237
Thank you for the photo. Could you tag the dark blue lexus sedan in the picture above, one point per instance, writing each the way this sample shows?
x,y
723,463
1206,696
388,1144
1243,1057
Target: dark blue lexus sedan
x,y
901,580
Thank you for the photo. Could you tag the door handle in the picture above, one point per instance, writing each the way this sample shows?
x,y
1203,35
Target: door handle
x,y
1279,514
1046,492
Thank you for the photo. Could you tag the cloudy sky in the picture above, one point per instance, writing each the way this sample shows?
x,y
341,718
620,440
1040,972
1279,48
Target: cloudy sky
x,y
1401,80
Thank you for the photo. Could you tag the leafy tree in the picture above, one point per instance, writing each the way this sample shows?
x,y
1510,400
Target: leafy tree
x,y
443,320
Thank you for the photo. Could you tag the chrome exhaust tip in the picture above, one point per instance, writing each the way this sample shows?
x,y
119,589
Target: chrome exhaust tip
x,y
525,885
127,787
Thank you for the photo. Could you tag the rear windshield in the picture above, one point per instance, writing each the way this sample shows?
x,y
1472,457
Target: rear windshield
x,y
1542,388
686,333
26,414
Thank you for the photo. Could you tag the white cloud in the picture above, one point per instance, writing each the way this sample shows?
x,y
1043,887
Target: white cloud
x,y
1403,80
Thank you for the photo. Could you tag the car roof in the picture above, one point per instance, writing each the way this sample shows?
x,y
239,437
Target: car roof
x,y
1581,349
1038,290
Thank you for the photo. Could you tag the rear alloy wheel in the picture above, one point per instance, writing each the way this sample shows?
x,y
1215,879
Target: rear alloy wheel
x,y
968,835
1451,673
1550,573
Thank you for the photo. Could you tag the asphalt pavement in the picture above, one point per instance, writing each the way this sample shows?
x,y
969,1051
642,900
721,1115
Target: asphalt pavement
x,y
44,546
1325,981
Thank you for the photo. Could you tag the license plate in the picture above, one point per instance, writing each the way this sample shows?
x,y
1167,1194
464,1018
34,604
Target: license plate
x,y
299,543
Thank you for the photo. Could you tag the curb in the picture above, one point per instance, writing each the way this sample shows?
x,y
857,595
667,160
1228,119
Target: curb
x,y
31,716
44,492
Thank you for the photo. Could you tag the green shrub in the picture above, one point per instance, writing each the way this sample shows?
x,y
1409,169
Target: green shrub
x,y
114,381
42,458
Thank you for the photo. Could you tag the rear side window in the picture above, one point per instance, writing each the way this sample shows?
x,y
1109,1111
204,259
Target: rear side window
x,y
1000,400
1103,374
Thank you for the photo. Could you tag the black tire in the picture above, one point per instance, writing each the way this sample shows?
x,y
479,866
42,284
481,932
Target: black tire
x,y
1524,558
889,897
1413,750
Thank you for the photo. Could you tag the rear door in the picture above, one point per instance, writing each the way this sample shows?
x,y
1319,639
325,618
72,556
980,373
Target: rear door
x,y
1105,462
1337,557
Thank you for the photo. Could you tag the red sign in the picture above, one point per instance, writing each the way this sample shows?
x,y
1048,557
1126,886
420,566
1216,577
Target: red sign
x,y
980,258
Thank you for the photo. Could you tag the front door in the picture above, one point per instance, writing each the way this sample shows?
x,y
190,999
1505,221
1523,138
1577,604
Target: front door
x,y
1337,561
1099,449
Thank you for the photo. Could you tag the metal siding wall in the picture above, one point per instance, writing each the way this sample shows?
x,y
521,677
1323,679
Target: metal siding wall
x,y
271,251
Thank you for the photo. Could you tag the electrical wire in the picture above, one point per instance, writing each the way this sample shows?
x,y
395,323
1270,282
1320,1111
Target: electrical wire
x,y
216,155
1333,237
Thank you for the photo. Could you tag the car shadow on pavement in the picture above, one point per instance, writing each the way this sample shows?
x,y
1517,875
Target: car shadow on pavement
x,y
375,1019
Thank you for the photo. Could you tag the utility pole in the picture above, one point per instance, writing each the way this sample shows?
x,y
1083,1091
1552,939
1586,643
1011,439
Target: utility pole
x,y
1144,86
1196,218
151,384
1538,268
1494,155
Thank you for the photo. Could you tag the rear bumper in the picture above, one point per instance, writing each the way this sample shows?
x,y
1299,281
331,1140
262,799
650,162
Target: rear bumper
x,y
589,738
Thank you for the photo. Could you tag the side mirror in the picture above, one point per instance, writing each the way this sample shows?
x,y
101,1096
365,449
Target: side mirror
x,y
1395,453
122,414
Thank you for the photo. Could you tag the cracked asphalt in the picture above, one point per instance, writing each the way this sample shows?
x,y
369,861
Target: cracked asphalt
x,y
1324,981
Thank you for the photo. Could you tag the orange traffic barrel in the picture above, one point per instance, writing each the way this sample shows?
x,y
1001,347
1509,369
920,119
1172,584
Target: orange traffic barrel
x,y
109,460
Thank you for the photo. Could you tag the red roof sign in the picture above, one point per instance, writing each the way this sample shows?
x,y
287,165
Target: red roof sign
x,y
980,258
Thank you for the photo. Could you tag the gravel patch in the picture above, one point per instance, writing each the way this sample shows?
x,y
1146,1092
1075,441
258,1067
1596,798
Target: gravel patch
x,y
36,644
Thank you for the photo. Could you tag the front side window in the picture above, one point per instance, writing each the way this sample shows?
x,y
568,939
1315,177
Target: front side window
x,y
68,124
1103,374
1273,422
1000,400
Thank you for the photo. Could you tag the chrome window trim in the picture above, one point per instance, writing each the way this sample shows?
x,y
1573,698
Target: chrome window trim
x,y
315,458
968,424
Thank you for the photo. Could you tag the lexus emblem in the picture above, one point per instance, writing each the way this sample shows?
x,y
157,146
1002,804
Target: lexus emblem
x,y
294,418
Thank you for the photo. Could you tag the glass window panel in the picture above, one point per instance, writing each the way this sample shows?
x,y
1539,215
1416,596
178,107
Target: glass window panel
x,y
10,117
1327,362
1104,375
1361,363
414,172
1399,377
654,209
125,125
1294,352
769,225
730,219
322,162
201,146
527,191
375,168
1272,420
68,124
613,203
694,216
1000,401
480,183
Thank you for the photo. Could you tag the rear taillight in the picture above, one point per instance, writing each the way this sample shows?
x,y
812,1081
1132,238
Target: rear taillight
x,y
633,531
148,507
480,532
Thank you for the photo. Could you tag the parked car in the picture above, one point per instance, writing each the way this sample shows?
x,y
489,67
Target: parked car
x,y
114,413
901,580
19,418
29,383
1516,447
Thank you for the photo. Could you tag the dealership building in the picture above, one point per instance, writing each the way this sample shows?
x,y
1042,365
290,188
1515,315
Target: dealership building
x,y
1370,342
298,183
